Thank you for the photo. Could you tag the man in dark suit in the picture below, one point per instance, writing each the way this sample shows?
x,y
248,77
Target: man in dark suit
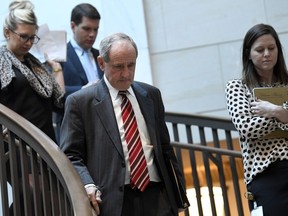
x,y
81,68
94,139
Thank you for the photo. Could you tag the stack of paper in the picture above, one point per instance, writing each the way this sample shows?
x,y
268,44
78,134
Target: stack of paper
x,y
52,43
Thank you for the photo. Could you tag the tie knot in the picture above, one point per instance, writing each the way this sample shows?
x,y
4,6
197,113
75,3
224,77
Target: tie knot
x,y
122,93
84,52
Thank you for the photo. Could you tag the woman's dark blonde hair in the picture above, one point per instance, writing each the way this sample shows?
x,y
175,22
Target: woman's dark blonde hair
x,y
20,12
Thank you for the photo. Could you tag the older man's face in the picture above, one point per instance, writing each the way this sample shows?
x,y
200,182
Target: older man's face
x,y
121,68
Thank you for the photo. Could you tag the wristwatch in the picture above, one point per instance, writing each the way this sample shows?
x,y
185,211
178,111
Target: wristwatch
x,y
56,70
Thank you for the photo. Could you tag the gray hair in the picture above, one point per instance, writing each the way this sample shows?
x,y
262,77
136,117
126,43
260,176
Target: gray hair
x,y
20,12
107,42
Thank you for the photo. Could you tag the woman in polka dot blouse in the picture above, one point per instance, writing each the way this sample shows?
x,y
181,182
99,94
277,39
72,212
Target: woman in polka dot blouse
x,y
265,159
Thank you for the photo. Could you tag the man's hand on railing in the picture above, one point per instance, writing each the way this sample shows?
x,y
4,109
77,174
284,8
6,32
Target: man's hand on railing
x,y
94,195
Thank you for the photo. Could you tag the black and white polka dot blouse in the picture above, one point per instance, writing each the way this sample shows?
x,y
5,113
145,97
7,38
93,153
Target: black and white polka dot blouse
x,y
257,152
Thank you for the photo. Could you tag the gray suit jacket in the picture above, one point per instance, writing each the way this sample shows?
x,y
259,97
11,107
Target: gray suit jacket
x,y
91,139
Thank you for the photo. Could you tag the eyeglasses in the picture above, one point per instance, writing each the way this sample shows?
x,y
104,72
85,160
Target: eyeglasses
x,y
34,39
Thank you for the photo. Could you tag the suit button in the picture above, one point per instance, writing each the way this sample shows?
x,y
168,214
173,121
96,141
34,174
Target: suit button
x,y
121,188
123,164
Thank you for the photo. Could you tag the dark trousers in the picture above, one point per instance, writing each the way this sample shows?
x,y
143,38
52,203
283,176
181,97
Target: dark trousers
x,y
153,201
270,189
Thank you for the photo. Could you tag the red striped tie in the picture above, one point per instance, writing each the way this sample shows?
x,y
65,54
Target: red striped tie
x,y
138,166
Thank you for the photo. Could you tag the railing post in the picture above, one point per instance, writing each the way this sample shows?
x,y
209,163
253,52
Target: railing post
x,y
215,144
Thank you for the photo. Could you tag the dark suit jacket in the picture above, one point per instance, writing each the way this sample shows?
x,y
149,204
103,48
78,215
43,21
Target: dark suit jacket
x,y
74,78
74,74
91,140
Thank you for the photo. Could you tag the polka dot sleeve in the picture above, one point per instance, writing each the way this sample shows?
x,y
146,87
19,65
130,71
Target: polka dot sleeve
x,y
238,99
257,152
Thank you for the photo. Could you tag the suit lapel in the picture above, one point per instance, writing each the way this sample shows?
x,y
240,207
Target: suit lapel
x,y
147,108
95,55
75,61
105,111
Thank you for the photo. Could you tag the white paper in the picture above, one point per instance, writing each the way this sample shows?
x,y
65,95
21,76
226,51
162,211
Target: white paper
x,y
257,211
53,43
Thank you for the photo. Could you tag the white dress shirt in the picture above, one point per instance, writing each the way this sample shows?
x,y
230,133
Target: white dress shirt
x,y
144,136
87,60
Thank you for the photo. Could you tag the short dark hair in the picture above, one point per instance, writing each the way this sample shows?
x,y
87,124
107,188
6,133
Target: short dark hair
x,y
84,10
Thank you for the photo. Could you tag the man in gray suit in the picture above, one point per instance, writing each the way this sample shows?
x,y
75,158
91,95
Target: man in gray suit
x,y
93,138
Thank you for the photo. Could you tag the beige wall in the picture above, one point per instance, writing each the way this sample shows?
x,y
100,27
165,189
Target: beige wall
x,y
195,47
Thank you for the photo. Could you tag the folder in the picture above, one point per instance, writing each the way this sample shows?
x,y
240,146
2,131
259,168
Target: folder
x,y
178,187
275,95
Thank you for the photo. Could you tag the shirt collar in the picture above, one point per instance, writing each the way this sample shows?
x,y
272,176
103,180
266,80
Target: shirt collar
x,y
79,50
114,92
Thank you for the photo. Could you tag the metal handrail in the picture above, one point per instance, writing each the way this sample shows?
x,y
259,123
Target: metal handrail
x,y
57,162
217,149
198,147
209,147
